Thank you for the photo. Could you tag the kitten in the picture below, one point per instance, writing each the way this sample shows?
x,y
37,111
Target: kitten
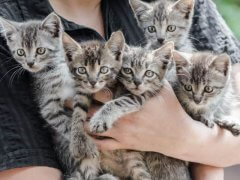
x,y
37,46
205,88
142,75
164,21
94,65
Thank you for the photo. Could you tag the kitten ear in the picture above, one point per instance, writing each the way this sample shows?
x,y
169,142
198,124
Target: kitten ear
x,y
164,54
185,7
69,46
139,8
116,44
180,61
7,28
53,25
126,48
222,64
164,51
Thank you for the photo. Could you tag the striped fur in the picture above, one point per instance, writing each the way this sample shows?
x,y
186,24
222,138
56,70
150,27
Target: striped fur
x,y
164,21
94,66
137,63
205,88
53,82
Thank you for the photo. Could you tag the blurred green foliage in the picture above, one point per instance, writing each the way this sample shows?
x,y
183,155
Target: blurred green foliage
x,y
230,10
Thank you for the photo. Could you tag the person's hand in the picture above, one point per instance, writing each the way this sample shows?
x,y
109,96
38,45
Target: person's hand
x,y
204,172
158,123
163,126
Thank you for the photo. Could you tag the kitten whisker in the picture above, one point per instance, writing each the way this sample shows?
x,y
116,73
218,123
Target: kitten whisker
x,y
21,71
7,61
13,76
195,39
9,71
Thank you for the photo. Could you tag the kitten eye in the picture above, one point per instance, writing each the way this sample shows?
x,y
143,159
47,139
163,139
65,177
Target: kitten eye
x,y
81,70
208,89
149,73
104,70
151,29
20,52
127,70
171,28
188,87
41,50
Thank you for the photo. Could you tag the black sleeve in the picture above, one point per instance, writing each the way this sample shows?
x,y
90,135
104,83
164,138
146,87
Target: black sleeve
x,y
24,141
210,31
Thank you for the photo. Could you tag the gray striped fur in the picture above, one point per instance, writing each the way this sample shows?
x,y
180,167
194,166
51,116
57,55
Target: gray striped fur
x,y
53,82
162,14
94,65
202,70
132,164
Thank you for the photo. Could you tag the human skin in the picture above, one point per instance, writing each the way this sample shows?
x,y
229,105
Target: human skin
x,y
164,127
204,172
30,173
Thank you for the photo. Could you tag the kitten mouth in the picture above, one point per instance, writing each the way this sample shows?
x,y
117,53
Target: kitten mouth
x,y
137,91
33,69
95,89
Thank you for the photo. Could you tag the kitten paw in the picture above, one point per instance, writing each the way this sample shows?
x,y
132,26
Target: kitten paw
x,y
98,126
235,130
232,127
84,148
207,122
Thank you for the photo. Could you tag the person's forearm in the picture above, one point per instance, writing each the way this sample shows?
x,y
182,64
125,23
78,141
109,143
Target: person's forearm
x,y
204,172
215,147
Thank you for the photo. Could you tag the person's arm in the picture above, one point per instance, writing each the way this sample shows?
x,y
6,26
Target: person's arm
x,y
204,172
163,126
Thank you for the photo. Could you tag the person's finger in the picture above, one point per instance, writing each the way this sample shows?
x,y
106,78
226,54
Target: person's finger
x,y
104,95
107,144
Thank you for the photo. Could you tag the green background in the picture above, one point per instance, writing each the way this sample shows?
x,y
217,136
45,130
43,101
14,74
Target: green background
x,y
230,10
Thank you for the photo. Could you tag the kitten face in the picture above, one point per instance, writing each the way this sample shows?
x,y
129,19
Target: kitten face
x,y
163,22
144,71
94,64
203,77
34,43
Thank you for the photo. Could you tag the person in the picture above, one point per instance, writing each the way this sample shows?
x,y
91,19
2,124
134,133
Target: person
x,y
26,149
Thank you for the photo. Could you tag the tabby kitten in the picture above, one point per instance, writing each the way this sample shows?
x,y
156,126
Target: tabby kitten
x,y
142,75
206,89
38,47
164,21
94,65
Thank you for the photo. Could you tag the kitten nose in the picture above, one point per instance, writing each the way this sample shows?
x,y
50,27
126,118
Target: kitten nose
x,y
30,64
197,100
160,40
93,83
137,82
